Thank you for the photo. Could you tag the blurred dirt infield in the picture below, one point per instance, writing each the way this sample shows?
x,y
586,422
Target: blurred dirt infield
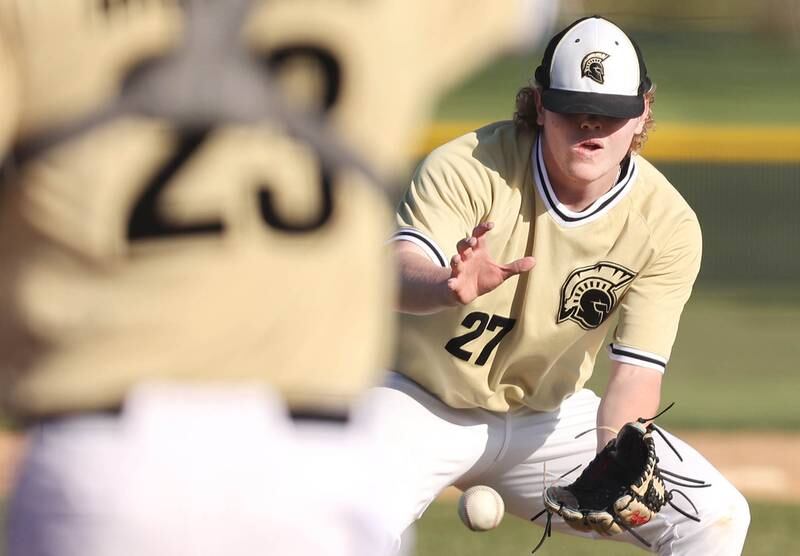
x,y
761,465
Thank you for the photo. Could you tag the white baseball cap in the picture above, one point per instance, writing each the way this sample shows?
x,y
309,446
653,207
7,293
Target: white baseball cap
x,y
593,67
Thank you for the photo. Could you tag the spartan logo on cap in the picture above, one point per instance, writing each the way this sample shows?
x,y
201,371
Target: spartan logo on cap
x,y
589,294
592,66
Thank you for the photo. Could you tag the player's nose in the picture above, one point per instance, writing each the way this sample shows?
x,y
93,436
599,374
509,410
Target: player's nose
x,y
590,121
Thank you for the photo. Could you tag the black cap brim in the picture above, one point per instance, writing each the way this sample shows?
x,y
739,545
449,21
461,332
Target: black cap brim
x,y
575,102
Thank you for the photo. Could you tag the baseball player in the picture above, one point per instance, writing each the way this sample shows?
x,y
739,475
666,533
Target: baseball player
x,y
193,279
518,245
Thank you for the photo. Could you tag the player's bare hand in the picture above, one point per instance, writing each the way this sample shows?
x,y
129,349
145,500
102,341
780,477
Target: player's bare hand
x,y
474,273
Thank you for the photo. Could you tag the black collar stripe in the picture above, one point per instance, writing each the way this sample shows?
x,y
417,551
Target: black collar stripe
x,y
625,180
415,236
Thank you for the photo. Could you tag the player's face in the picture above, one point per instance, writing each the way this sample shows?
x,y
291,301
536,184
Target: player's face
x,y
585,148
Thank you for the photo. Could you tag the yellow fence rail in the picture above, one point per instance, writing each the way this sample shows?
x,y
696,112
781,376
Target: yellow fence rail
x,y
701,143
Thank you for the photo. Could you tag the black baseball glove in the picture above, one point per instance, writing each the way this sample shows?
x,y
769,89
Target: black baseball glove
x,y
621,488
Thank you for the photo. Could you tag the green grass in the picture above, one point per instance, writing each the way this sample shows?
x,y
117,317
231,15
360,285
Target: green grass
x,y
700,77
734,361
440,533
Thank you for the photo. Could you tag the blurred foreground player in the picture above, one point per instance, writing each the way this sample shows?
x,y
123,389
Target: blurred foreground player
x,y
518,245
185,261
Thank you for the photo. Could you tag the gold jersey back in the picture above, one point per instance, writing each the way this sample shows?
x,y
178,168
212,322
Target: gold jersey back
x,y
634,254
138,249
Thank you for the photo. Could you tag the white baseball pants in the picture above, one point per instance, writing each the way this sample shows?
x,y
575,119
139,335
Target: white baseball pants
x,y
429,446
193,471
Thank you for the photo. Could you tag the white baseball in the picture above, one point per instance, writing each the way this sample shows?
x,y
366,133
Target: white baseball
x,y
481,508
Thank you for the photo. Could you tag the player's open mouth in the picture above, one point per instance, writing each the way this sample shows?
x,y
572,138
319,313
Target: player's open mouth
x,y
588,147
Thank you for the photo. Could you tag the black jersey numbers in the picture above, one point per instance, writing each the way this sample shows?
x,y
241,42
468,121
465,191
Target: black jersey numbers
x,y
326,66
146,221
478,323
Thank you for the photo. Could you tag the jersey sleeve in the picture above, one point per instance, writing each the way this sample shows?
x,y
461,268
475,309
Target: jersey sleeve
x,y
447,198
650,310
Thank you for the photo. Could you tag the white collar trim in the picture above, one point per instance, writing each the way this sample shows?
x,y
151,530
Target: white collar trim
x,y
569,218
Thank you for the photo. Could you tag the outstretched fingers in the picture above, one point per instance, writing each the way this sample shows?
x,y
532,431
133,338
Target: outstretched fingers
x,y
465,246
517,267
470,242
481,229
474,272
455,263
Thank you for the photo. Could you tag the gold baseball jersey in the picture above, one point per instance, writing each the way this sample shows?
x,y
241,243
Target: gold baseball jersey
x,y
164,218
634,253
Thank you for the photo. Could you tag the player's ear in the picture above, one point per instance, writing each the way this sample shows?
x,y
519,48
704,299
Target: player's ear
x,y
537,95
641,120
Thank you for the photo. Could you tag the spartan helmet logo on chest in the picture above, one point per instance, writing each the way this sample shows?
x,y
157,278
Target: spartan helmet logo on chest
x,y
590,293
592,66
